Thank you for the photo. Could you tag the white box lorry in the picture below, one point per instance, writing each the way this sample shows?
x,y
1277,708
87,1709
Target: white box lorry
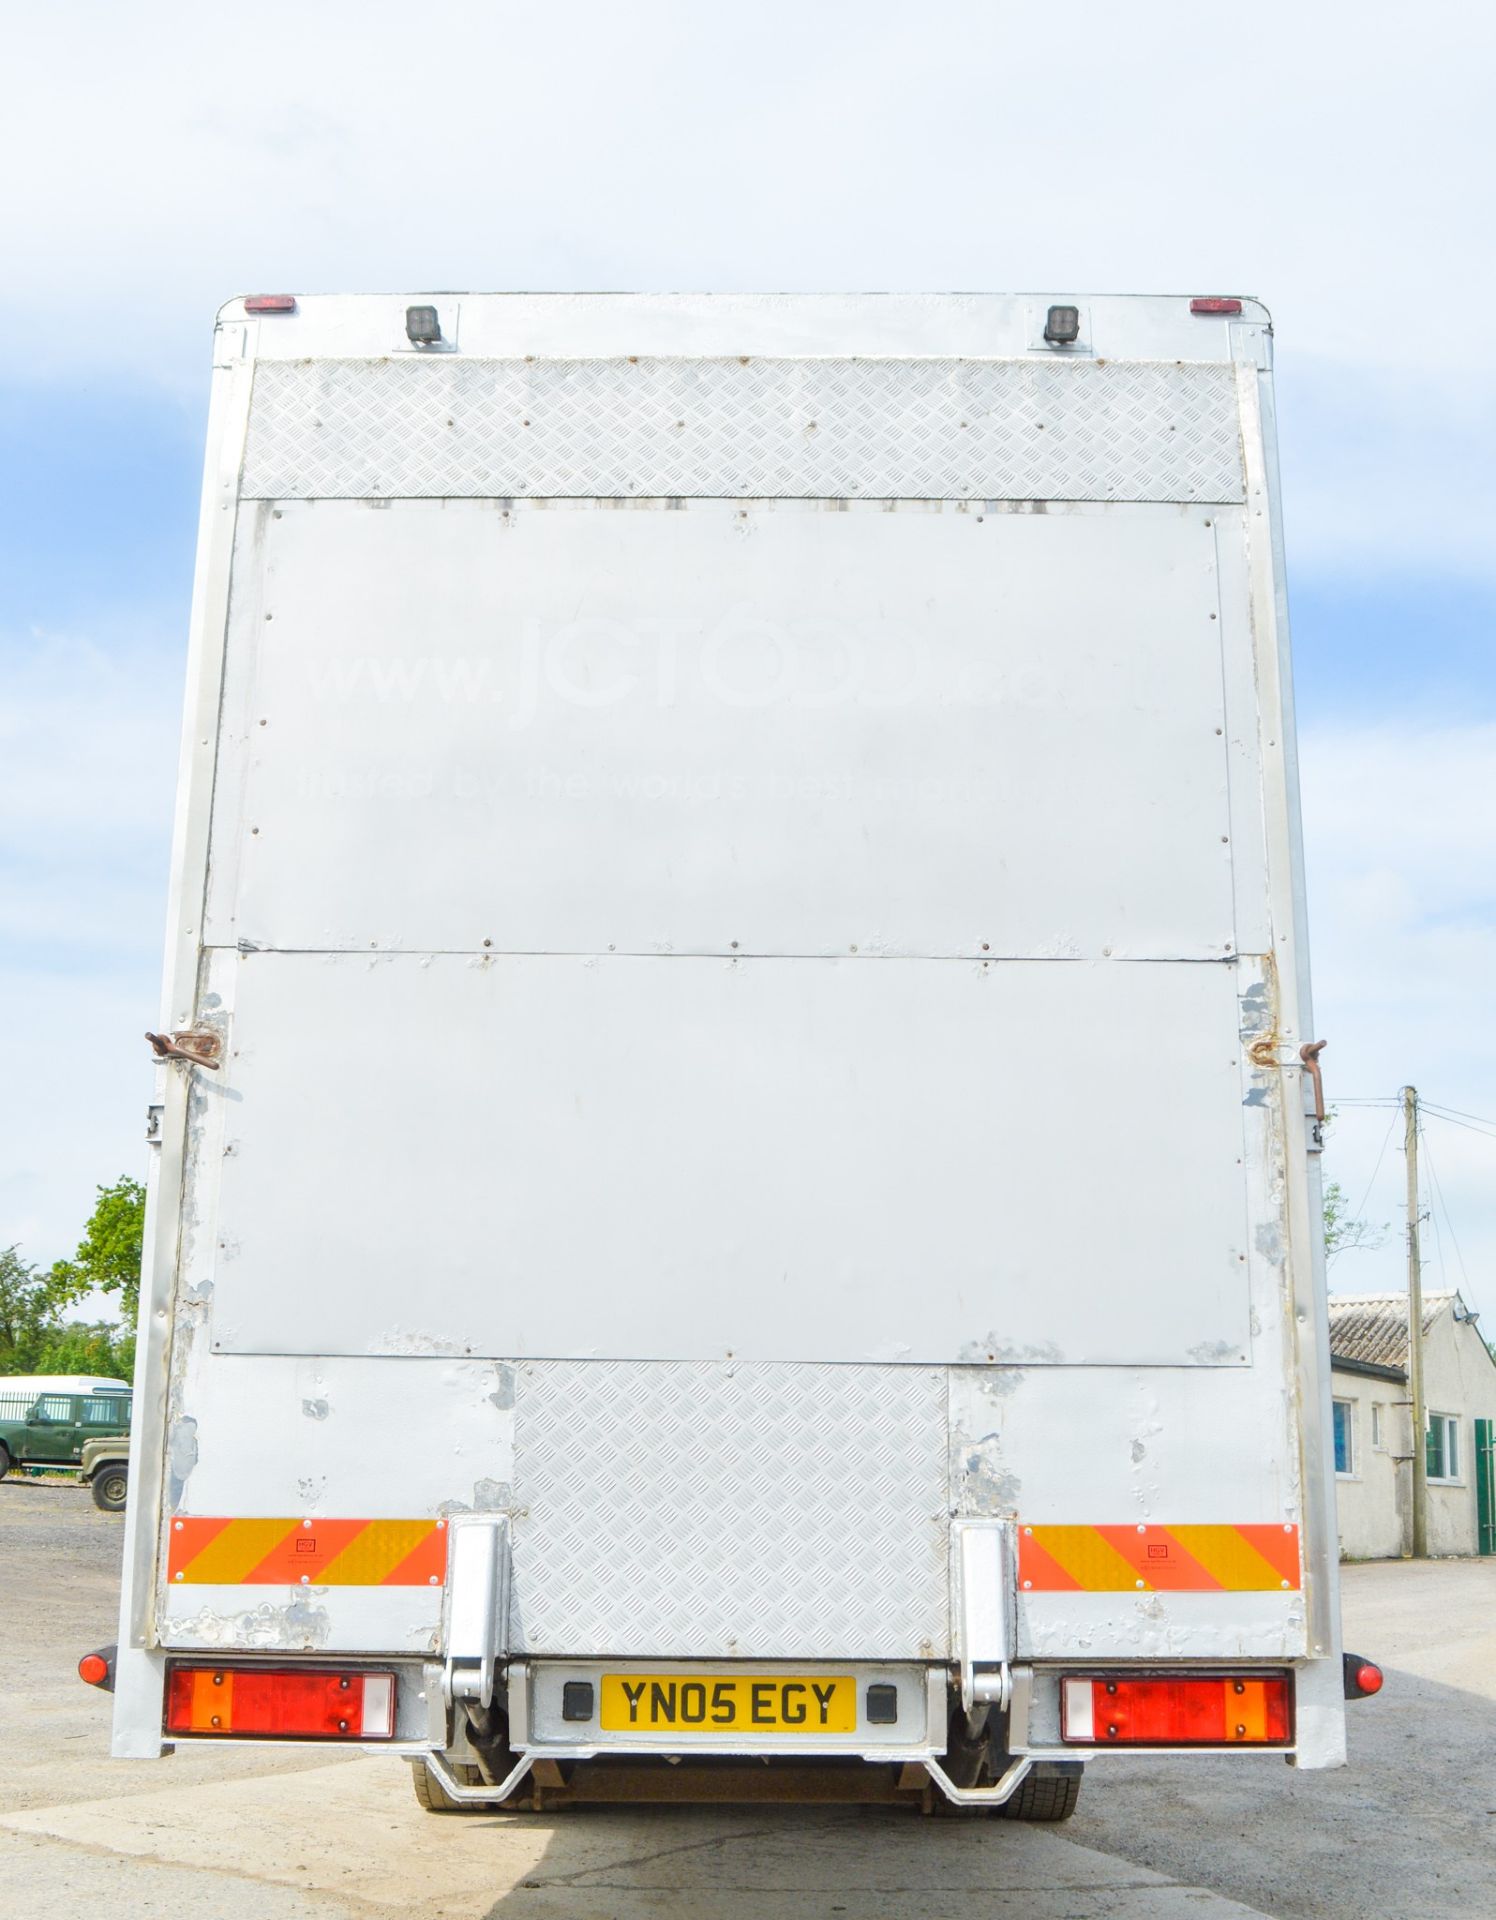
x,y
735,1177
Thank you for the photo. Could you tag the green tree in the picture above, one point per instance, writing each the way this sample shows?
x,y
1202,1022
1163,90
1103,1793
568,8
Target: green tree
x,y
34,1338
108,1255
1343,1233
75,1346
26,1313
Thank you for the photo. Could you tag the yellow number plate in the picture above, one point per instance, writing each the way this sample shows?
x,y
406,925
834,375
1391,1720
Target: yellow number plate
x,y
723,1703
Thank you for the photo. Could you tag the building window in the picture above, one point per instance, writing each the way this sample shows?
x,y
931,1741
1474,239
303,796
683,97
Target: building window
x,y
1443,1447
1378,1438
1345,1437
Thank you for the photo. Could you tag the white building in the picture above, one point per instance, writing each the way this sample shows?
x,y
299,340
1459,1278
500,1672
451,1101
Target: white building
x,y
1373,1458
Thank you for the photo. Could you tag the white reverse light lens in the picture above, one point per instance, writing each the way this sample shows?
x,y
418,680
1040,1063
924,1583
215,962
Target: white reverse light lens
x,y
379,1706
1078,1720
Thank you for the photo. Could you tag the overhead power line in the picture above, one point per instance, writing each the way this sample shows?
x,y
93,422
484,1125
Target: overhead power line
x,y
1452,1116
1467,1125
1438,1194
1386,1137
1458,1114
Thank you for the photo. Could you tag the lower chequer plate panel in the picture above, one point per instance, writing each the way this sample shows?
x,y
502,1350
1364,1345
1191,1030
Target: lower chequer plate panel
x,y
715,1509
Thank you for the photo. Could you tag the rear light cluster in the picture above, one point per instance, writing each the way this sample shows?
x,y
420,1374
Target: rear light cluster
x,y
1218,1710
280,1703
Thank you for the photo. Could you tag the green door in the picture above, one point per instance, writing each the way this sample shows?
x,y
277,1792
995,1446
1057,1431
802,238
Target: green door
x,y
52,1434
1485,1484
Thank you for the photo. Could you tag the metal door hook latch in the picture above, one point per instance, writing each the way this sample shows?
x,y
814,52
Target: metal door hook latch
x,y
1265,1053
1309,1053
198,1047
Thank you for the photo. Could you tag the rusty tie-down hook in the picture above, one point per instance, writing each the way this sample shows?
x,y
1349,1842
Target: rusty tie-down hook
x,y
1309,1053
168,1046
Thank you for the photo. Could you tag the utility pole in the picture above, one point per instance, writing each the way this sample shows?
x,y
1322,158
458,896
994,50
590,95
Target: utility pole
x,y
1415,1330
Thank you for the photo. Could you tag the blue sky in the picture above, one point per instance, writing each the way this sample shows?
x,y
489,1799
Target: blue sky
x,y
98,498
1334,160
1417,643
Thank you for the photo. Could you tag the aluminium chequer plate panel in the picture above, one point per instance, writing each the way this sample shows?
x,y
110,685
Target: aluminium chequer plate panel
x,y
717,1509
936,429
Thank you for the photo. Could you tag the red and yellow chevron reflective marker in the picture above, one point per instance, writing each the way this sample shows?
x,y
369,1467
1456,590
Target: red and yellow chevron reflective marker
x,y
1154,1559
317,1553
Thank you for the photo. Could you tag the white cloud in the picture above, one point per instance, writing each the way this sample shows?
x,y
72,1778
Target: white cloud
x,y
88,750
177,156
74,1049
1400,826
1328,158
1387,468
88,734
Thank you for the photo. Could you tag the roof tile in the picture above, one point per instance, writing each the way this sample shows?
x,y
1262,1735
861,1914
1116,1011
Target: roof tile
x,y
1373,1327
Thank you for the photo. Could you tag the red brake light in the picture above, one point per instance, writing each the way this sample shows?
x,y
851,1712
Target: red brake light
x,y
1212,303
270,303
274,1702
1223,1710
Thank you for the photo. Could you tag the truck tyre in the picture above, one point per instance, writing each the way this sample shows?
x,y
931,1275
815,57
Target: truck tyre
x,y
4,1461
434,1797
109,1487
1044,1796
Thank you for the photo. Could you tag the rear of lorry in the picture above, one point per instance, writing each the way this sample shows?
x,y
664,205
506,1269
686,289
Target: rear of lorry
x,y
735,1202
